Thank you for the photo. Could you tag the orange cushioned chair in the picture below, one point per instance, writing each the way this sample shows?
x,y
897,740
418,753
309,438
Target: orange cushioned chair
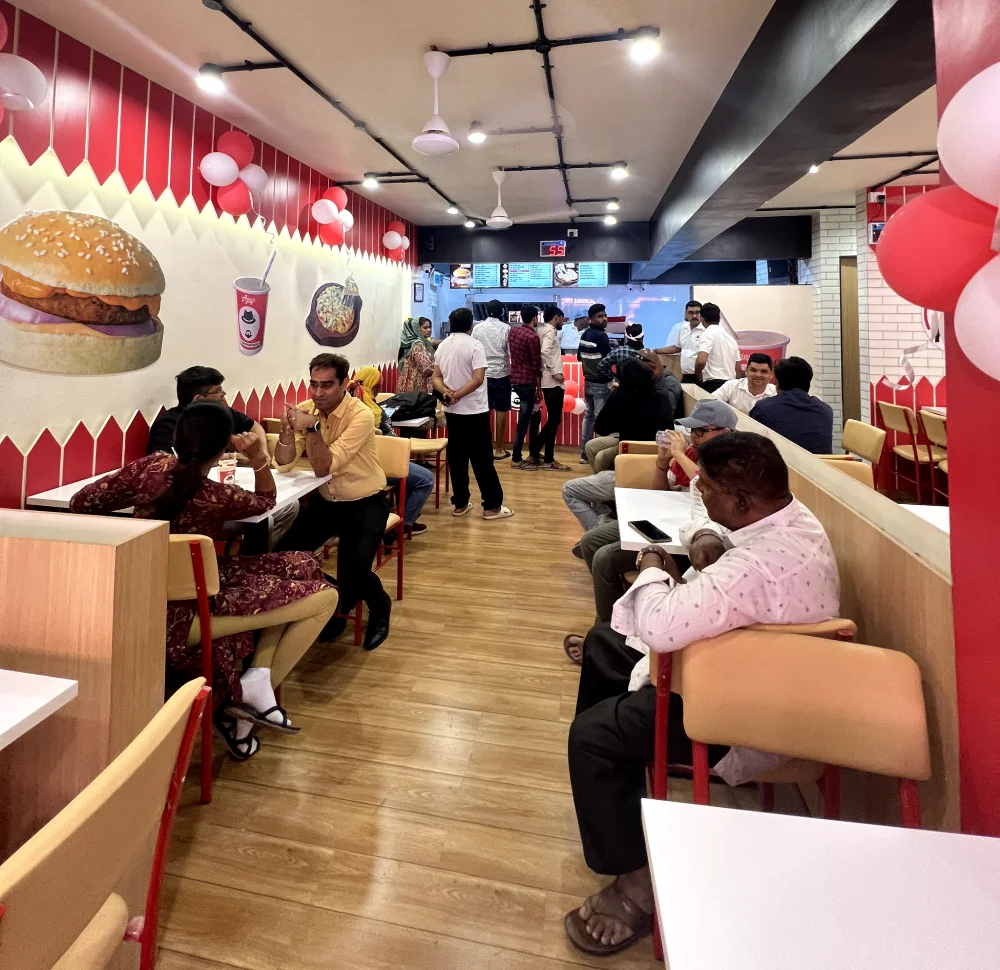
x,y
58,905
917,450
421,449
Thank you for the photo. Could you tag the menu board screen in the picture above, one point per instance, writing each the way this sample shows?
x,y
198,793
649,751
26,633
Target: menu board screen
x,y
461,276
526,274
486,274
593,274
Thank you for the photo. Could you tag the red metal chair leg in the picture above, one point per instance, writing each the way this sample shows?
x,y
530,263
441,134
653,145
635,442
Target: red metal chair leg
x,y
400,539
437,480
767,799
205,619
660,724
700,753
909,797
447,485
357,624
657,941
831,792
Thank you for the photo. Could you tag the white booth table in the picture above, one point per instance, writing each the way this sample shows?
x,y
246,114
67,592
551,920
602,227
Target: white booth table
x,y
937,515
28,699
740,890
670,511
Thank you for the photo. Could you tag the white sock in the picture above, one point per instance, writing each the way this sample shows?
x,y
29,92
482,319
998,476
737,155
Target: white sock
x,y
258,693
243,728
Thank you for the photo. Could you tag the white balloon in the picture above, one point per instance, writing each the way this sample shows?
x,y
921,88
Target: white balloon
x,y
969,136
254,177
977,319
218,168
392,240
22,85
346,220
324,211
579,406
404,243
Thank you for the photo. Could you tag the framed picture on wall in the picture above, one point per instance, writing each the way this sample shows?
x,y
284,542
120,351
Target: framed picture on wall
x,y
418,292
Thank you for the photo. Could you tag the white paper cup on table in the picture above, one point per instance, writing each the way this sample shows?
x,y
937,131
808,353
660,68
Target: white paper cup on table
x,y
251,312
227,471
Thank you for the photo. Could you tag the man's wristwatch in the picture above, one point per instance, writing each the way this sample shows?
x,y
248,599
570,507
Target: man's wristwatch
x,y
645,550
313,429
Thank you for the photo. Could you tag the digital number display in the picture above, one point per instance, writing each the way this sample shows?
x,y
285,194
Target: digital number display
x,y
552,248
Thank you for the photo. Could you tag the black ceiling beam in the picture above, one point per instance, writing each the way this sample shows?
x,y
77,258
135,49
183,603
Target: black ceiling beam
x,y
542,46
800,208
559,166
247,27
817,76
244,66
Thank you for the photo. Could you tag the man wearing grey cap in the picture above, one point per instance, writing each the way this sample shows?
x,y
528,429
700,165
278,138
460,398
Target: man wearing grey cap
x,y
675,468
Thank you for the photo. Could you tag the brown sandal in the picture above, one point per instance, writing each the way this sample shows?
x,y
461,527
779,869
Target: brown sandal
x,y
616,905
567,646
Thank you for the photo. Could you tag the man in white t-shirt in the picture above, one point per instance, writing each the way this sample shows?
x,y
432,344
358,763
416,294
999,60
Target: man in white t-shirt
x,y
460,379
745,392
718,357
685,339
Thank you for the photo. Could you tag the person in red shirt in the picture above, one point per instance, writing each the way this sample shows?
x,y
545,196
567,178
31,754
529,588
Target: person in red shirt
x,y
526,379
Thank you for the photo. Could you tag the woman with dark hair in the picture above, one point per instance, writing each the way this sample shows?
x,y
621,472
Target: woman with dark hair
x,y
177,488
416,357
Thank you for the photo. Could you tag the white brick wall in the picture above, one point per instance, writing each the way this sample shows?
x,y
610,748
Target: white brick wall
x,y
886,322
833,236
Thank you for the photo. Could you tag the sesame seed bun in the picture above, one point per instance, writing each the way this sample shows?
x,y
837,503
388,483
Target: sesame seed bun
x,y
79,252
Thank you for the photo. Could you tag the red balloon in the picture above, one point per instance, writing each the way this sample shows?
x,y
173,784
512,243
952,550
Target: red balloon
x,y
569,402
237,146
571,388
337,196
396,255
396,226
332,233
235,199
933,246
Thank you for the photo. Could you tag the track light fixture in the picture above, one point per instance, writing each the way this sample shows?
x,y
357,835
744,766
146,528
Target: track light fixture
x,y
613,206
209,79
619,172
476,134
469,224
369,181
610,220
452,210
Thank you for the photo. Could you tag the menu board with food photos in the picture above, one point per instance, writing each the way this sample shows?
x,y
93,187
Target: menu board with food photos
x,y
461,276
580,274
539,275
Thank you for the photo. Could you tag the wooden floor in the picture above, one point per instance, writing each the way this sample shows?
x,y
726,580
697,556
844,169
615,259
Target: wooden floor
x,y
423,817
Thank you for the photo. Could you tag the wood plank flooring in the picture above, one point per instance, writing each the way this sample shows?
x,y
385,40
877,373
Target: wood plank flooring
x,y
423,817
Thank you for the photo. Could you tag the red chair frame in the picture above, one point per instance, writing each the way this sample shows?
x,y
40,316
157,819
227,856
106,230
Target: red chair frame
x,y
205,618
917,439
397,553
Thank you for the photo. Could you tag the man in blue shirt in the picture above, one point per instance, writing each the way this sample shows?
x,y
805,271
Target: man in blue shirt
x,y
594,347
793,412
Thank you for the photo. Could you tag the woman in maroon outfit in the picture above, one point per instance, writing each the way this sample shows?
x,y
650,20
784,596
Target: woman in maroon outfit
x,y
176,487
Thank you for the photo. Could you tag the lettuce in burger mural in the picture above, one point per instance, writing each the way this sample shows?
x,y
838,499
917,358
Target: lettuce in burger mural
x,y
78,295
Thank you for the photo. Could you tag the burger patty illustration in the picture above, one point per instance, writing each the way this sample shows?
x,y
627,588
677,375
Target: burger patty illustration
x,y
78,295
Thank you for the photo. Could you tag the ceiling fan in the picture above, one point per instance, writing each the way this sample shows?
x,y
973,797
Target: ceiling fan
x,y
501,220
436,138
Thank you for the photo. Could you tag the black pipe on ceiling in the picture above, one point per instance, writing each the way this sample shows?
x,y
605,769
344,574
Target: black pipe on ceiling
x,y
247,27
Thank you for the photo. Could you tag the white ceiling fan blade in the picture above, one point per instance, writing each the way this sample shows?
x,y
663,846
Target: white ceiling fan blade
x,y
553,215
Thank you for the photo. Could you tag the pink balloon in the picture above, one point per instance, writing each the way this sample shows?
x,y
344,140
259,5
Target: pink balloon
x,y
569,402
969,136
571,388
580,406
3,33
235,199
237,146
337,196
977,319
218,168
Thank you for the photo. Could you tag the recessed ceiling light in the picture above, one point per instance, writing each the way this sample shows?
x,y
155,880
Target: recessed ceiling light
x,y
476,134
645,48
452,210
209,79
813,169
469,224
610,220
369,182
613,206
619,172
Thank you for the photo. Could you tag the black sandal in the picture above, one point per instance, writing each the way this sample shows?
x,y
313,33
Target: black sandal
x,y
260,718
240,749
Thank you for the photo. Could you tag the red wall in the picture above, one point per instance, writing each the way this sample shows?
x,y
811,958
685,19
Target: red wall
x,y
967,37
101,112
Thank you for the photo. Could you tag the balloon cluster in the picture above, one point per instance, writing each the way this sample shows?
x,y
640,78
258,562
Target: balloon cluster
x,y
22,85
230,168
330,211
572,402
940,251
395,241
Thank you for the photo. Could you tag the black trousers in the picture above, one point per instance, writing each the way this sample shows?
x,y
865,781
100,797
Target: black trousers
x,y
547,436
610,743
527,420
470,441
689,379
712,386
360,525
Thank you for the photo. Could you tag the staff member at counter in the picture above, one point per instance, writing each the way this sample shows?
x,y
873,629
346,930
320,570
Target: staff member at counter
x,y
685,340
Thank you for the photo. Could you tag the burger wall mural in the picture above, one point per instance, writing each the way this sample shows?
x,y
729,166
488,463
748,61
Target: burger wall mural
x,y
78,295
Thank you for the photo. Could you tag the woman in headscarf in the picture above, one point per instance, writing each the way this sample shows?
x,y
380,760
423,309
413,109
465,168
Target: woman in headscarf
x,y
416,356
365,386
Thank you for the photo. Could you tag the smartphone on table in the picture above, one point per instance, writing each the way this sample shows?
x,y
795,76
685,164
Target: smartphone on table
x,y
648,531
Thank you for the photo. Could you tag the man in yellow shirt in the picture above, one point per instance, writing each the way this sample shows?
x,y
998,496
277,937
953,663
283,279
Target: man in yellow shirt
x,y
336,433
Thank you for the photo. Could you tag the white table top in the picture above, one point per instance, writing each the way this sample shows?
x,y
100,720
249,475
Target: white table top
x,y
291,485
937,410
413,423
28,699
939,515
739,890
668,510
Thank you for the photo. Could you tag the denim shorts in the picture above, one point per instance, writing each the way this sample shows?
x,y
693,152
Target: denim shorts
x,y
498,393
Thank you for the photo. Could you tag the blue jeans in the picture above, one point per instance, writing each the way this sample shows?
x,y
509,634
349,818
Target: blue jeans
x,y
595,395
419,485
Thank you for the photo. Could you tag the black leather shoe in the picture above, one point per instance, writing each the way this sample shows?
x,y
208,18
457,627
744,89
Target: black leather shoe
x,y
333,629
378,624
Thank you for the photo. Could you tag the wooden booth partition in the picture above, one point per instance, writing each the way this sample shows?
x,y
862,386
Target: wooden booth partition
x,y
84,597
895,576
